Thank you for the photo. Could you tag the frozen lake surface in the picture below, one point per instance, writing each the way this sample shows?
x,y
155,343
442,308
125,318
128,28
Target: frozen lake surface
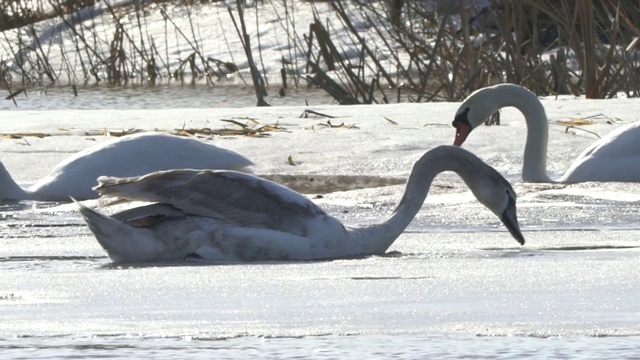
x,y
454,285
568,293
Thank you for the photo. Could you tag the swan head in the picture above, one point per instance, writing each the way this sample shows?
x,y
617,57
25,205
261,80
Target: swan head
x,y
496,193
474,111
508,216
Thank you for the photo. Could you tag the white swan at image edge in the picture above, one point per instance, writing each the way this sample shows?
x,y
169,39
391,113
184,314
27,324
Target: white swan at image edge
x,y
228,216
130,155
615,157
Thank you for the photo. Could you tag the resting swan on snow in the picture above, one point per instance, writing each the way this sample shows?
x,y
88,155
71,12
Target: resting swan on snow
x,y
615,157
130,155
227,216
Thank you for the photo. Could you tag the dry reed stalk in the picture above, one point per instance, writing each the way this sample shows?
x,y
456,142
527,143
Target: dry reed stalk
x,y
585,14
266,79
244,36
338,7
431,50
295,42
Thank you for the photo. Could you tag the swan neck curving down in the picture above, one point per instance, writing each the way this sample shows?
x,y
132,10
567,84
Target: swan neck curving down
x,y
534,165
376,239
9,189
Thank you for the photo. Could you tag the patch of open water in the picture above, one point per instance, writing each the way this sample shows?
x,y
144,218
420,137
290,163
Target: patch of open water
x,y
323,347
163,96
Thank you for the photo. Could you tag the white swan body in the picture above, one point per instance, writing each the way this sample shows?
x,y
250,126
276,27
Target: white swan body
x,y
615,157
227,216
130,155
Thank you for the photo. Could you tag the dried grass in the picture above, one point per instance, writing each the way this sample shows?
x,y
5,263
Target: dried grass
x,y
248,127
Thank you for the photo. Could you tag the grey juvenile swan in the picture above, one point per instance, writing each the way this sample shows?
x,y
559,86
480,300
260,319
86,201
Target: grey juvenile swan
x,y
228,216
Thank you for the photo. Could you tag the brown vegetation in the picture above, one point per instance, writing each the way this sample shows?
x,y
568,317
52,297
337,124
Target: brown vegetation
x,y
453,51
436,53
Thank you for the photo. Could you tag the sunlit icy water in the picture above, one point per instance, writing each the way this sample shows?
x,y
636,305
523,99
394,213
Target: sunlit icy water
x,y
455,285
163,96
325,347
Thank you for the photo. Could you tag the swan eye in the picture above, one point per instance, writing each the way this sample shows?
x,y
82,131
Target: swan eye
x,y
511,202
462,118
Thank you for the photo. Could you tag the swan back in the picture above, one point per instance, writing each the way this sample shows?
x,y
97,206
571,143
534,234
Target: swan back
x,y
131,155
239,198
615,157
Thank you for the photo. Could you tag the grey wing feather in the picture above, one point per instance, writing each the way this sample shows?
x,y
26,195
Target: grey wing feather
x,y
241,198
145,211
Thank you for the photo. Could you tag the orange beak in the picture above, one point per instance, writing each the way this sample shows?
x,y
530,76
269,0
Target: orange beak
x,y
462,131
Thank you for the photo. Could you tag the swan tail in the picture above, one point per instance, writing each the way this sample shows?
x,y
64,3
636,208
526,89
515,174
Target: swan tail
x,y
9,189
121,241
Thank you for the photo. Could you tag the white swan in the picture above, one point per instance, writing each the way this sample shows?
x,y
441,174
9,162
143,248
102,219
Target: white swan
x,y
615,157
129,155
227,216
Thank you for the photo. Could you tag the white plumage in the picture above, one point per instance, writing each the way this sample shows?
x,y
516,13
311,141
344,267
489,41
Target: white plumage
x,y
615,157
130,155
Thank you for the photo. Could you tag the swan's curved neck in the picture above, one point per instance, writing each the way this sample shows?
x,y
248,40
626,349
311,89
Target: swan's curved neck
x,y
376,239
534,165
9,190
